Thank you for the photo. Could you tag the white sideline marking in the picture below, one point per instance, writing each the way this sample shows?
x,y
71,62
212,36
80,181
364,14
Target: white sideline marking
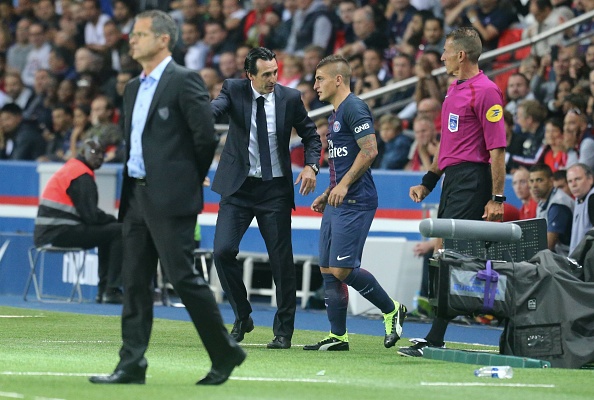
x,y
46,398
45,373
527,385
12,395
303,380
78,341
21,316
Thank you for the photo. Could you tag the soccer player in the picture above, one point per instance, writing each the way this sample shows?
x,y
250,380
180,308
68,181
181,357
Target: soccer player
x,y
472,134
348,205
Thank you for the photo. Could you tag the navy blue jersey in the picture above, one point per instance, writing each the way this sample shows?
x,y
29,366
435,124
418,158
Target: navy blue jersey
x,y
350,122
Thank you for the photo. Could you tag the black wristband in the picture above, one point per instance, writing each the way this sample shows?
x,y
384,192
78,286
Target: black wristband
x,y
430,179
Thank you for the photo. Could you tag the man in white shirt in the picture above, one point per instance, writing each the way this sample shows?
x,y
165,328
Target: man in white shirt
x,y
94,35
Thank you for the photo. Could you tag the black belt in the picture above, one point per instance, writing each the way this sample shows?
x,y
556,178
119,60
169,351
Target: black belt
x,y
139,181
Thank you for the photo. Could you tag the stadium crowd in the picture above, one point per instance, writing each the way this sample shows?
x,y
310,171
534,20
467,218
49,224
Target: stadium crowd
x,y
64,65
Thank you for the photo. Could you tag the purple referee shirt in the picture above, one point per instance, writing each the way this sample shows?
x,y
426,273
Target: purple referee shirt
x,y
471,122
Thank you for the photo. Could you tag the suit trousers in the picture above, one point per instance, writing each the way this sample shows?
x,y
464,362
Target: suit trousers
x,y
108,240
149,236
270,202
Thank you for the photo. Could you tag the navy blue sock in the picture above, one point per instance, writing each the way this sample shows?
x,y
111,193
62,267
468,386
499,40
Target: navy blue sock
x,y
336,296
366,284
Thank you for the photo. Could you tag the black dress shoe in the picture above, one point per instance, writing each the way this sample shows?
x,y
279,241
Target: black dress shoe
x,y
119,376
114,296
241,327
99,298
279,342
221,373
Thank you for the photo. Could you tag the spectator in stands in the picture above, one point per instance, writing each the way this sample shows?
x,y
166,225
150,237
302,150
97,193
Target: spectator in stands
x,y
554,154
373,64
578,138
312,24
211,77
367,34
368,83
195,48
123,15
68,216
433,35
544,86
560,181
21,139
395,145
545,18
490,18
529,66
45,12
589,55
428,85
58,140
345,33
518,90
555,206
425,146
581,184
520,184
399,14
16,56
215,36
65,93
228,66
562,90
413,36
117,48
309,96
16,91
104,131
234,13
38,57
250,24
292,71
402,68
37,109
590,105
312,55
240,54
275,30
81,123
430,108
94,36
527,144
356,64
60,62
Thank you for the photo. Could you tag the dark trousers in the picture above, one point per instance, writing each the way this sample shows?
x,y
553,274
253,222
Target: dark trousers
x,y
149,236
466,191
108,239
270,202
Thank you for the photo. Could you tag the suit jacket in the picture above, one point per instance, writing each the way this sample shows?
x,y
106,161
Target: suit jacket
x,y
236,100
178,142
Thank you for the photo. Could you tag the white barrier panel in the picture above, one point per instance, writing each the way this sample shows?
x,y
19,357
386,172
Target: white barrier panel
x,y
392,262
89,274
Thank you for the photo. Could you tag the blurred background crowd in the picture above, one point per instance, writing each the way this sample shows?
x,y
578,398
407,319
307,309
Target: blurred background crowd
x,y
64,65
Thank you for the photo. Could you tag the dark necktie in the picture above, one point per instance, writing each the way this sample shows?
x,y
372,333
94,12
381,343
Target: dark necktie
x,y
262,129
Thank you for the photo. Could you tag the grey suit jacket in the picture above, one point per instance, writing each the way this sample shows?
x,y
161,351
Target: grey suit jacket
x,y
178,142
235,100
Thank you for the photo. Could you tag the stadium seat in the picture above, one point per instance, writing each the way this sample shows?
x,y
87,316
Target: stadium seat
x,y
37,257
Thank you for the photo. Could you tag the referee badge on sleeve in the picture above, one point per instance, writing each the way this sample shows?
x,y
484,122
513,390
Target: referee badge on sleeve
x,y
453,122
495,113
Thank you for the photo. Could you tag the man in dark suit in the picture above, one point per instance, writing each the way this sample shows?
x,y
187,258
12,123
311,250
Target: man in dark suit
x,y
170,144
254,179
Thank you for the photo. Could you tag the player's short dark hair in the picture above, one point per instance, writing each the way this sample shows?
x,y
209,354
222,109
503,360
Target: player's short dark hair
x,y
468,40
258,53
341,66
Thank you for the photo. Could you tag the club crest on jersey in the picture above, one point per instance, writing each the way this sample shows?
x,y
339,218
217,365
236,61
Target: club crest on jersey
x,y
453,122
336,126
495,113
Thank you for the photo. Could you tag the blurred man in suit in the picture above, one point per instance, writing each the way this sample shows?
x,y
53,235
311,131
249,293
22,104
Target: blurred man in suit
x,y
254,179
170,144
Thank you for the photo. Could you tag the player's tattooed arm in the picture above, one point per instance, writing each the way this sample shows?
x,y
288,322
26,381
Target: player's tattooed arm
x,y
363,161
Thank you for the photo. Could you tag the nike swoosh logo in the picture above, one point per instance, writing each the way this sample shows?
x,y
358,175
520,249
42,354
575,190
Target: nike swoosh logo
x,y
339,258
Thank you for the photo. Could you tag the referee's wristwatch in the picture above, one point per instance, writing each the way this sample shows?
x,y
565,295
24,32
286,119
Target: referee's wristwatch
x,y
315,168
498,198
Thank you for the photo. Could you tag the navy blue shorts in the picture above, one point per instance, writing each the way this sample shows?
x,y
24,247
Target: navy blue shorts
x,y
342,236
